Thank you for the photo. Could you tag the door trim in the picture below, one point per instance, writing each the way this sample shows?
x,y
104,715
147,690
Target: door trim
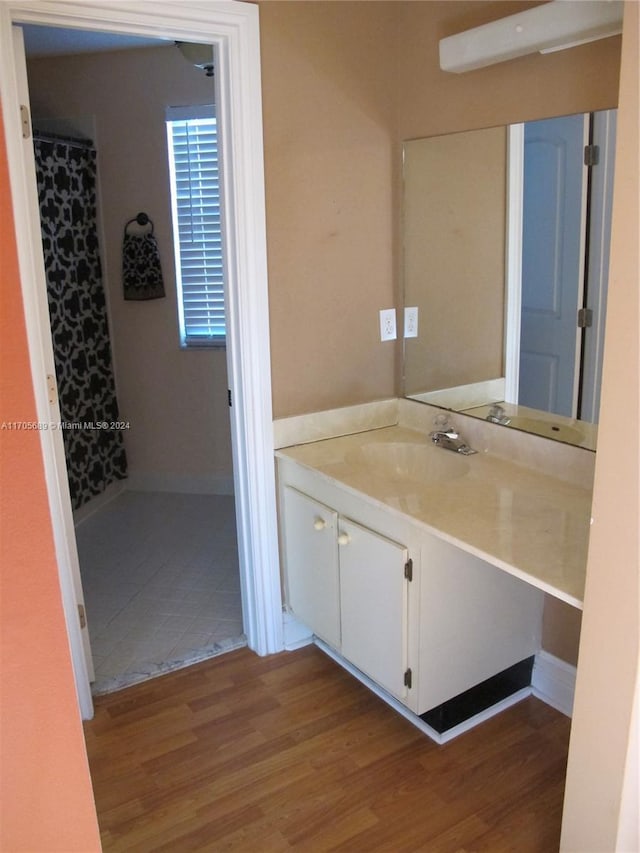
x,y
234,29
513,262
604,135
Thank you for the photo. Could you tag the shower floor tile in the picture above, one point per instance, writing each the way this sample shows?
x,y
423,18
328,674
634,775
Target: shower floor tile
x,y
161,584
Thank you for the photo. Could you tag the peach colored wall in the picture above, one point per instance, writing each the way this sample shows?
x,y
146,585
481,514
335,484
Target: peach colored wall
x,y
561,629
328,91
176,400
45,789
610,641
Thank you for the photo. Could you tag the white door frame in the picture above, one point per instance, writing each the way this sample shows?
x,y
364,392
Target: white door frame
x,y
234,28
513,261
604,136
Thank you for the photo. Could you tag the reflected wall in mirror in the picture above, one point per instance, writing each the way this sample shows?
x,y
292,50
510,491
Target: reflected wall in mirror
x,y
506,246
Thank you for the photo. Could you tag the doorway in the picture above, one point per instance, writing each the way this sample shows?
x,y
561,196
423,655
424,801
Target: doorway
x,y
236,36
157,564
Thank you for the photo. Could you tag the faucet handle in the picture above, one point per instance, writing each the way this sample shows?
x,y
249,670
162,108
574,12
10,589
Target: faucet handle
x,y
444,427
449,433
441,421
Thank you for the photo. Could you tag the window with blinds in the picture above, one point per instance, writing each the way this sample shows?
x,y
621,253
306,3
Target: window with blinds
x,y
195,196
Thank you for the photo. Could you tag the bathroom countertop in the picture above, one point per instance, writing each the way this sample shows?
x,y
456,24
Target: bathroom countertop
x,y
529,524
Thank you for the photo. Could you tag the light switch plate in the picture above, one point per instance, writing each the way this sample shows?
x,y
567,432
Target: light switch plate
x,y
411,322
388,324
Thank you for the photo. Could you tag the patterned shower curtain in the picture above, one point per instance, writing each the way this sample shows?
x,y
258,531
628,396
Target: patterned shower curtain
x,y
93,442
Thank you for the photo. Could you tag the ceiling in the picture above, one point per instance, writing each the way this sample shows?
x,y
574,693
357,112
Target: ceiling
x,y
55,41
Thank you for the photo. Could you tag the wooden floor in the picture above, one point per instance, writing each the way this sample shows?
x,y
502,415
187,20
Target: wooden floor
x,y
290,752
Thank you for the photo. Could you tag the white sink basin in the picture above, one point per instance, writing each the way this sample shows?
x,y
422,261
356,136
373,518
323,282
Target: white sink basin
x,y
399,460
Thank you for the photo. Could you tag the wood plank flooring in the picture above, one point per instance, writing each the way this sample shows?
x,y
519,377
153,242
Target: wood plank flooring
x,y
290,752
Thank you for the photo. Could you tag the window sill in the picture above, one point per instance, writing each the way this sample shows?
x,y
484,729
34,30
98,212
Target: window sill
x,y
204,345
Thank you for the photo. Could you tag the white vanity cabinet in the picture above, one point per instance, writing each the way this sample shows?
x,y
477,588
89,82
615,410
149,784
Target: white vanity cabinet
x,y
374,605
311,560
348,584
426,620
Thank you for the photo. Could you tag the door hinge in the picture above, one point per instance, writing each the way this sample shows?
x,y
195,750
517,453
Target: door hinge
x,y
82,616
52,388
229,397
407,678
408,569
591,155
585,318
25,121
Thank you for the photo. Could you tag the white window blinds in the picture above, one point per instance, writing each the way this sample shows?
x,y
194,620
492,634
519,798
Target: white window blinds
x,y
195,191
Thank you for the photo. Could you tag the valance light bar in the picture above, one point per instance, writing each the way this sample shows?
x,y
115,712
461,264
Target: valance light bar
x,y
551,26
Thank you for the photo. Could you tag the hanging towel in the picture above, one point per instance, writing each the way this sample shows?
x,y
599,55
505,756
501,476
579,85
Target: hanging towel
x,y
141,269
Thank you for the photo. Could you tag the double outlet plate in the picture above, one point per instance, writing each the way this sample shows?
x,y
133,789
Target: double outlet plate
x,y
388,323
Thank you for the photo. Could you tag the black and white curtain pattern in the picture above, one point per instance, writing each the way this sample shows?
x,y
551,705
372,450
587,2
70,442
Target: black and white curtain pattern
x,y
93,442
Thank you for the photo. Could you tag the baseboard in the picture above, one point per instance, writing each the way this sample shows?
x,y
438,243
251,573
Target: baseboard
x,y
554,682
295,634
110,493
212,484
137,482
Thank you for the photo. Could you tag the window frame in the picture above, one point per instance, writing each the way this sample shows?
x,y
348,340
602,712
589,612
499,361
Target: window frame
x,y
175,114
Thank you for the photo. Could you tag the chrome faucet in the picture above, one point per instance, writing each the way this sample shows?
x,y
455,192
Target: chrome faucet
x,y
449,438
497,415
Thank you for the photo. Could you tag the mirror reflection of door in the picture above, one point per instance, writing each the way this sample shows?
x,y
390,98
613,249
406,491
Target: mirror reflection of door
x,y
552,258
559,249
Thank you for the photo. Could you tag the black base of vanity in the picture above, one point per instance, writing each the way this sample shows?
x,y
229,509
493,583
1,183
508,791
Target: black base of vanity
x,y
466,705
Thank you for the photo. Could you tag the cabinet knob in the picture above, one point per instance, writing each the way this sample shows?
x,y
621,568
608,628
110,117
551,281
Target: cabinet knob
x,y
344,539
319,524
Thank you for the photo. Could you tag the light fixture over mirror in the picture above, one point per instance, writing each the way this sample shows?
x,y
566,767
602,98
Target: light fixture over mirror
x,y
557,25
199,55
501,277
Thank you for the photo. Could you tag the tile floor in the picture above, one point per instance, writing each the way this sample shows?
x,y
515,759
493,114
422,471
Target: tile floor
x,y
161,584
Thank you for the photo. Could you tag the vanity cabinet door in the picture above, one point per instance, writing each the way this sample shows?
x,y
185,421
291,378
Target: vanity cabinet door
x,y
311,560
374,605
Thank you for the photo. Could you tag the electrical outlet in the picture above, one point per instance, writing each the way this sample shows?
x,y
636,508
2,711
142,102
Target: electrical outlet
x,y
411,322
388,324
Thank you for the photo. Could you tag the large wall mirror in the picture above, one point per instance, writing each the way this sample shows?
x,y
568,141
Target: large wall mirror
x,y
506,253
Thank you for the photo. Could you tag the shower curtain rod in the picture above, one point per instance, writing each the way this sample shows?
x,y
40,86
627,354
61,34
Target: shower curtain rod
x,y
75,141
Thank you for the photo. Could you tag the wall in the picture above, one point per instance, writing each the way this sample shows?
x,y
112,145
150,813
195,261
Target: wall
x,y
47,802
601,751
328,87
561,629
176,400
